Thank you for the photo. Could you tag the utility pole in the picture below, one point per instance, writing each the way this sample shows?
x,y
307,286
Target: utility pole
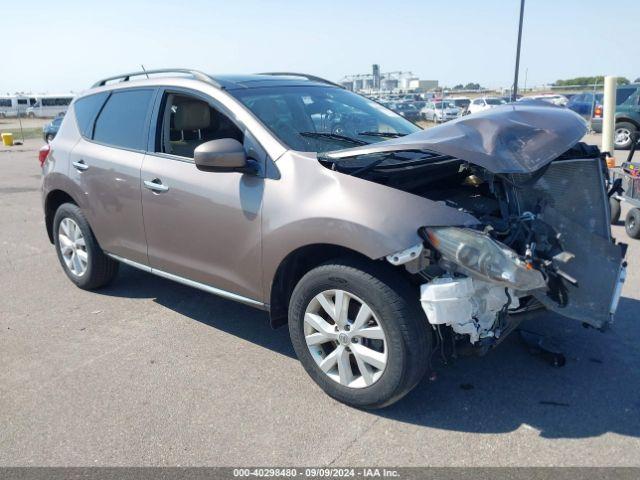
x,y
514,94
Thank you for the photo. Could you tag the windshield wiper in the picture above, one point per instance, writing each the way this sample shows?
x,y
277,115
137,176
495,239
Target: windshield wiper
x,y
333,136
382,134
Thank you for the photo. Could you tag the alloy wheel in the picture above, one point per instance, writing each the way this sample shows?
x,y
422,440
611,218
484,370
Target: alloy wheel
x,y
73,247
345,338
622,136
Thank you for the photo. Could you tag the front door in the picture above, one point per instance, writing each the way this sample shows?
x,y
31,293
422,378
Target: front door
x,y
200,225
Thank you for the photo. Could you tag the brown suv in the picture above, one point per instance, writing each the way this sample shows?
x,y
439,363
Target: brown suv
x,y
373,239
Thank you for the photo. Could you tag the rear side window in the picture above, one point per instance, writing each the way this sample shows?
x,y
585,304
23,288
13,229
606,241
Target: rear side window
x,y
622,94
123,120
86,110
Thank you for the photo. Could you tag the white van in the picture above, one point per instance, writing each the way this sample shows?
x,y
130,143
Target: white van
x,y
49,105
12,105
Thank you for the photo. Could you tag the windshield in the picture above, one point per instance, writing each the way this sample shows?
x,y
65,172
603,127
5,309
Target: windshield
x,y
495,101
321,119
444,105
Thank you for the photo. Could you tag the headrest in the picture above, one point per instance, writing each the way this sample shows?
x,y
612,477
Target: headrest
x,y
265,108
192,116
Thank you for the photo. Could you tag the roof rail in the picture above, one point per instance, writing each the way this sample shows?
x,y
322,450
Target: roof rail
x,y
125,77
312,78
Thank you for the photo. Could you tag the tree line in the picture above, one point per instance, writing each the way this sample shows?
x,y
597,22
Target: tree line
x,y
597,80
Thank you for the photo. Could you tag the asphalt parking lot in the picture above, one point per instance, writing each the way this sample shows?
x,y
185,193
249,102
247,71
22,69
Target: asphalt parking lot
x,y
150,372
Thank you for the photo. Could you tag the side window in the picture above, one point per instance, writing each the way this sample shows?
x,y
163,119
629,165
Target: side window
x,y
122,121
187,122
622,94
86,110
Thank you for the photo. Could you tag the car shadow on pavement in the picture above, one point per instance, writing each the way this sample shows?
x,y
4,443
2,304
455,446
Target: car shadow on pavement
x,y
228,316
596,392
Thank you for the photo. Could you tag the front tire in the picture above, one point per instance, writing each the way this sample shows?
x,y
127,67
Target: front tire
x,y
625,134
632,223
81,257
359,332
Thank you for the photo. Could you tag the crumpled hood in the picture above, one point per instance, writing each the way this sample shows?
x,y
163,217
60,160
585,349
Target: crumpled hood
x,y
506,139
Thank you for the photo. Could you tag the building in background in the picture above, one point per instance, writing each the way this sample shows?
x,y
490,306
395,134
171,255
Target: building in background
x,y
377,82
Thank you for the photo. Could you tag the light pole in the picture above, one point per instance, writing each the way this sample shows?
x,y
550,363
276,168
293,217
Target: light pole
x,y
514,94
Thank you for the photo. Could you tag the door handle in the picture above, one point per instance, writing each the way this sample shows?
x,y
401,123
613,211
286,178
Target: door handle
x,y
156,185
80,165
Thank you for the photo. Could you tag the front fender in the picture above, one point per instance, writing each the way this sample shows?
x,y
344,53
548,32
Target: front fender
x,y
310,204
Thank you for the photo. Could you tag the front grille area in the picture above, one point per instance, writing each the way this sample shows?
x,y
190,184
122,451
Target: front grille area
x,y
575,189
570,198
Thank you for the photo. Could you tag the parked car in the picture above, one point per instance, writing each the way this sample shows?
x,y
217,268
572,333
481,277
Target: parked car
x,y
50,130
552,98
585,103
508,98
627,116
484,103
374,254
442,111
419,104
461,102
407,109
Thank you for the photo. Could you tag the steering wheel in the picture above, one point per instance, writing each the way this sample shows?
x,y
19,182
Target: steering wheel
x,y
341,123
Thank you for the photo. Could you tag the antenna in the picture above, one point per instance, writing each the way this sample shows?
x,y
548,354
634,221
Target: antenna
x,y
144,70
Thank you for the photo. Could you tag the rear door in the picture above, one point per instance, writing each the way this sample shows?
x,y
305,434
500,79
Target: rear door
x,y
106,164
200,225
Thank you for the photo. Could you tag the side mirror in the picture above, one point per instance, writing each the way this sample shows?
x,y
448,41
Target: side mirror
x,y
224,155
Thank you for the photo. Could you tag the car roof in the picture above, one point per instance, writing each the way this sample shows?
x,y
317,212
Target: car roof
x,y
234,82
226,82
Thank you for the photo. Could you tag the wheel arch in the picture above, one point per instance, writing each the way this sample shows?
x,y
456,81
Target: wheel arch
x,y
52,202
293,267
628,119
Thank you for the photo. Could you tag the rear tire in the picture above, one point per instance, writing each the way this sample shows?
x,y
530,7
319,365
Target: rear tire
x,y
632,223
625,134
616,209
404,336
81,257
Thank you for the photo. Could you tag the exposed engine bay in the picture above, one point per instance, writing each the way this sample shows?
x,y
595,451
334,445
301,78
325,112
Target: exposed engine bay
x,y
542,240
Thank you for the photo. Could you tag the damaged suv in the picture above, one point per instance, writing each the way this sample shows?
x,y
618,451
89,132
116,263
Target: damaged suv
x,y
369,237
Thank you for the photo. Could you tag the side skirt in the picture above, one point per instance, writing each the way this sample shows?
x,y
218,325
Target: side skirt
x,y
191,283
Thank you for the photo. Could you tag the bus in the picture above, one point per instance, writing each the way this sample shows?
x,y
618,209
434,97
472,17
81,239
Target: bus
x,y
49,105
14,105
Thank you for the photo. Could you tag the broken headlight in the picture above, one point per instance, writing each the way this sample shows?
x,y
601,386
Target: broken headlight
x,y
479,255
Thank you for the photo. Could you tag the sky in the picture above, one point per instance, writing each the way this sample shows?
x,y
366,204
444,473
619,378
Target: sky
x,y
67,45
